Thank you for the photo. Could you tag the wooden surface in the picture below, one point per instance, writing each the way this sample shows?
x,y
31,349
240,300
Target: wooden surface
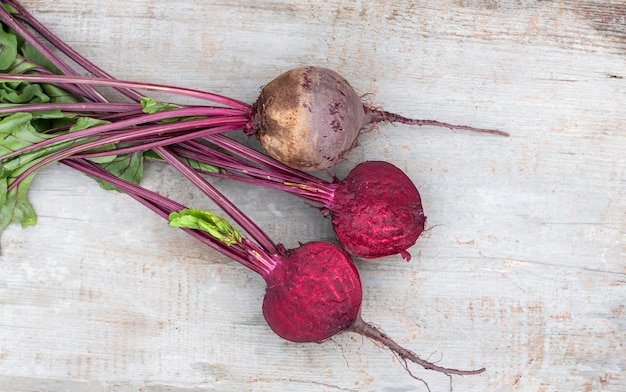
x,y
523,270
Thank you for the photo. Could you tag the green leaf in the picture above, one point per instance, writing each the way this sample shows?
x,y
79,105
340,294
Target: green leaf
x,y
196,165
8,49
105,158
9,8
15,206
22,93
22,65
86,122
128,167
57,94
151,106
26,160
206,221
51,114
35,56
18,131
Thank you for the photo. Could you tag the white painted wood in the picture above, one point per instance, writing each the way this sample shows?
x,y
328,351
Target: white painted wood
x,y
523,270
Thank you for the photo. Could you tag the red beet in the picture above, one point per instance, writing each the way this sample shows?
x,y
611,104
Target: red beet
x,y
377,211
312,294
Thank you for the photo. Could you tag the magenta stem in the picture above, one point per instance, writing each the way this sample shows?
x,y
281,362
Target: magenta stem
x,y
239,217
142,119
67,79
260,158
89,91
199,123
164,206
110,107
160,142
79,59
316,192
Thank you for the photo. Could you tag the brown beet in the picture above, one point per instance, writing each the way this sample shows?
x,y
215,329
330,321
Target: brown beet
x,y
308,118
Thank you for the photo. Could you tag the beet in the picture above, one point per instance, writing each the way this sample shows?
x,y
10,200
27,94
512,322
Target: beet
x,y
377,211
312,294
310,117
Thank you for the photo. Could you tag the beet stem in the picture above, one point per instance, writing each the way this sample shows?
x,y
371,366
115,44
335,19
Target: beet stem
x,y
260,158
200,123
159,204
59,44
317,190
137,120
162,141
238,216
376,116
94,81
368,330
71,107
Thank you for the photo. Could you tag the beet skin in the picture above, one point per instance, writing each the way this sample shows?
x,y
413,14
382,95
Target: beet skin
x,y
313,293
308,118
377,211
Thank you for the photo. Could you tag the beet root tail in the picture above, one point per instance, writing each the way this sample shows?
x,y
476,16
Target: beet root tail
x,y
375,116
370,331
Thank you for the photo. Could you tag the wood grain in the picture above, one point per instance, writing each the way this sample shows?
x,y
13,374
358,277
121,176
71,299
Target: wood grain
x,y
523,269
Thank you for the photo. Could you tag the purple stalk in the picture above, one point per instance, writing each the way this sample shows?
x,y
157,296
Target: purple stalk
x,y
239,217
164,206
71,107
257,157
145,145
62,80
143,119
6,17
59,44
126,136
234,169
121,116
310,187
